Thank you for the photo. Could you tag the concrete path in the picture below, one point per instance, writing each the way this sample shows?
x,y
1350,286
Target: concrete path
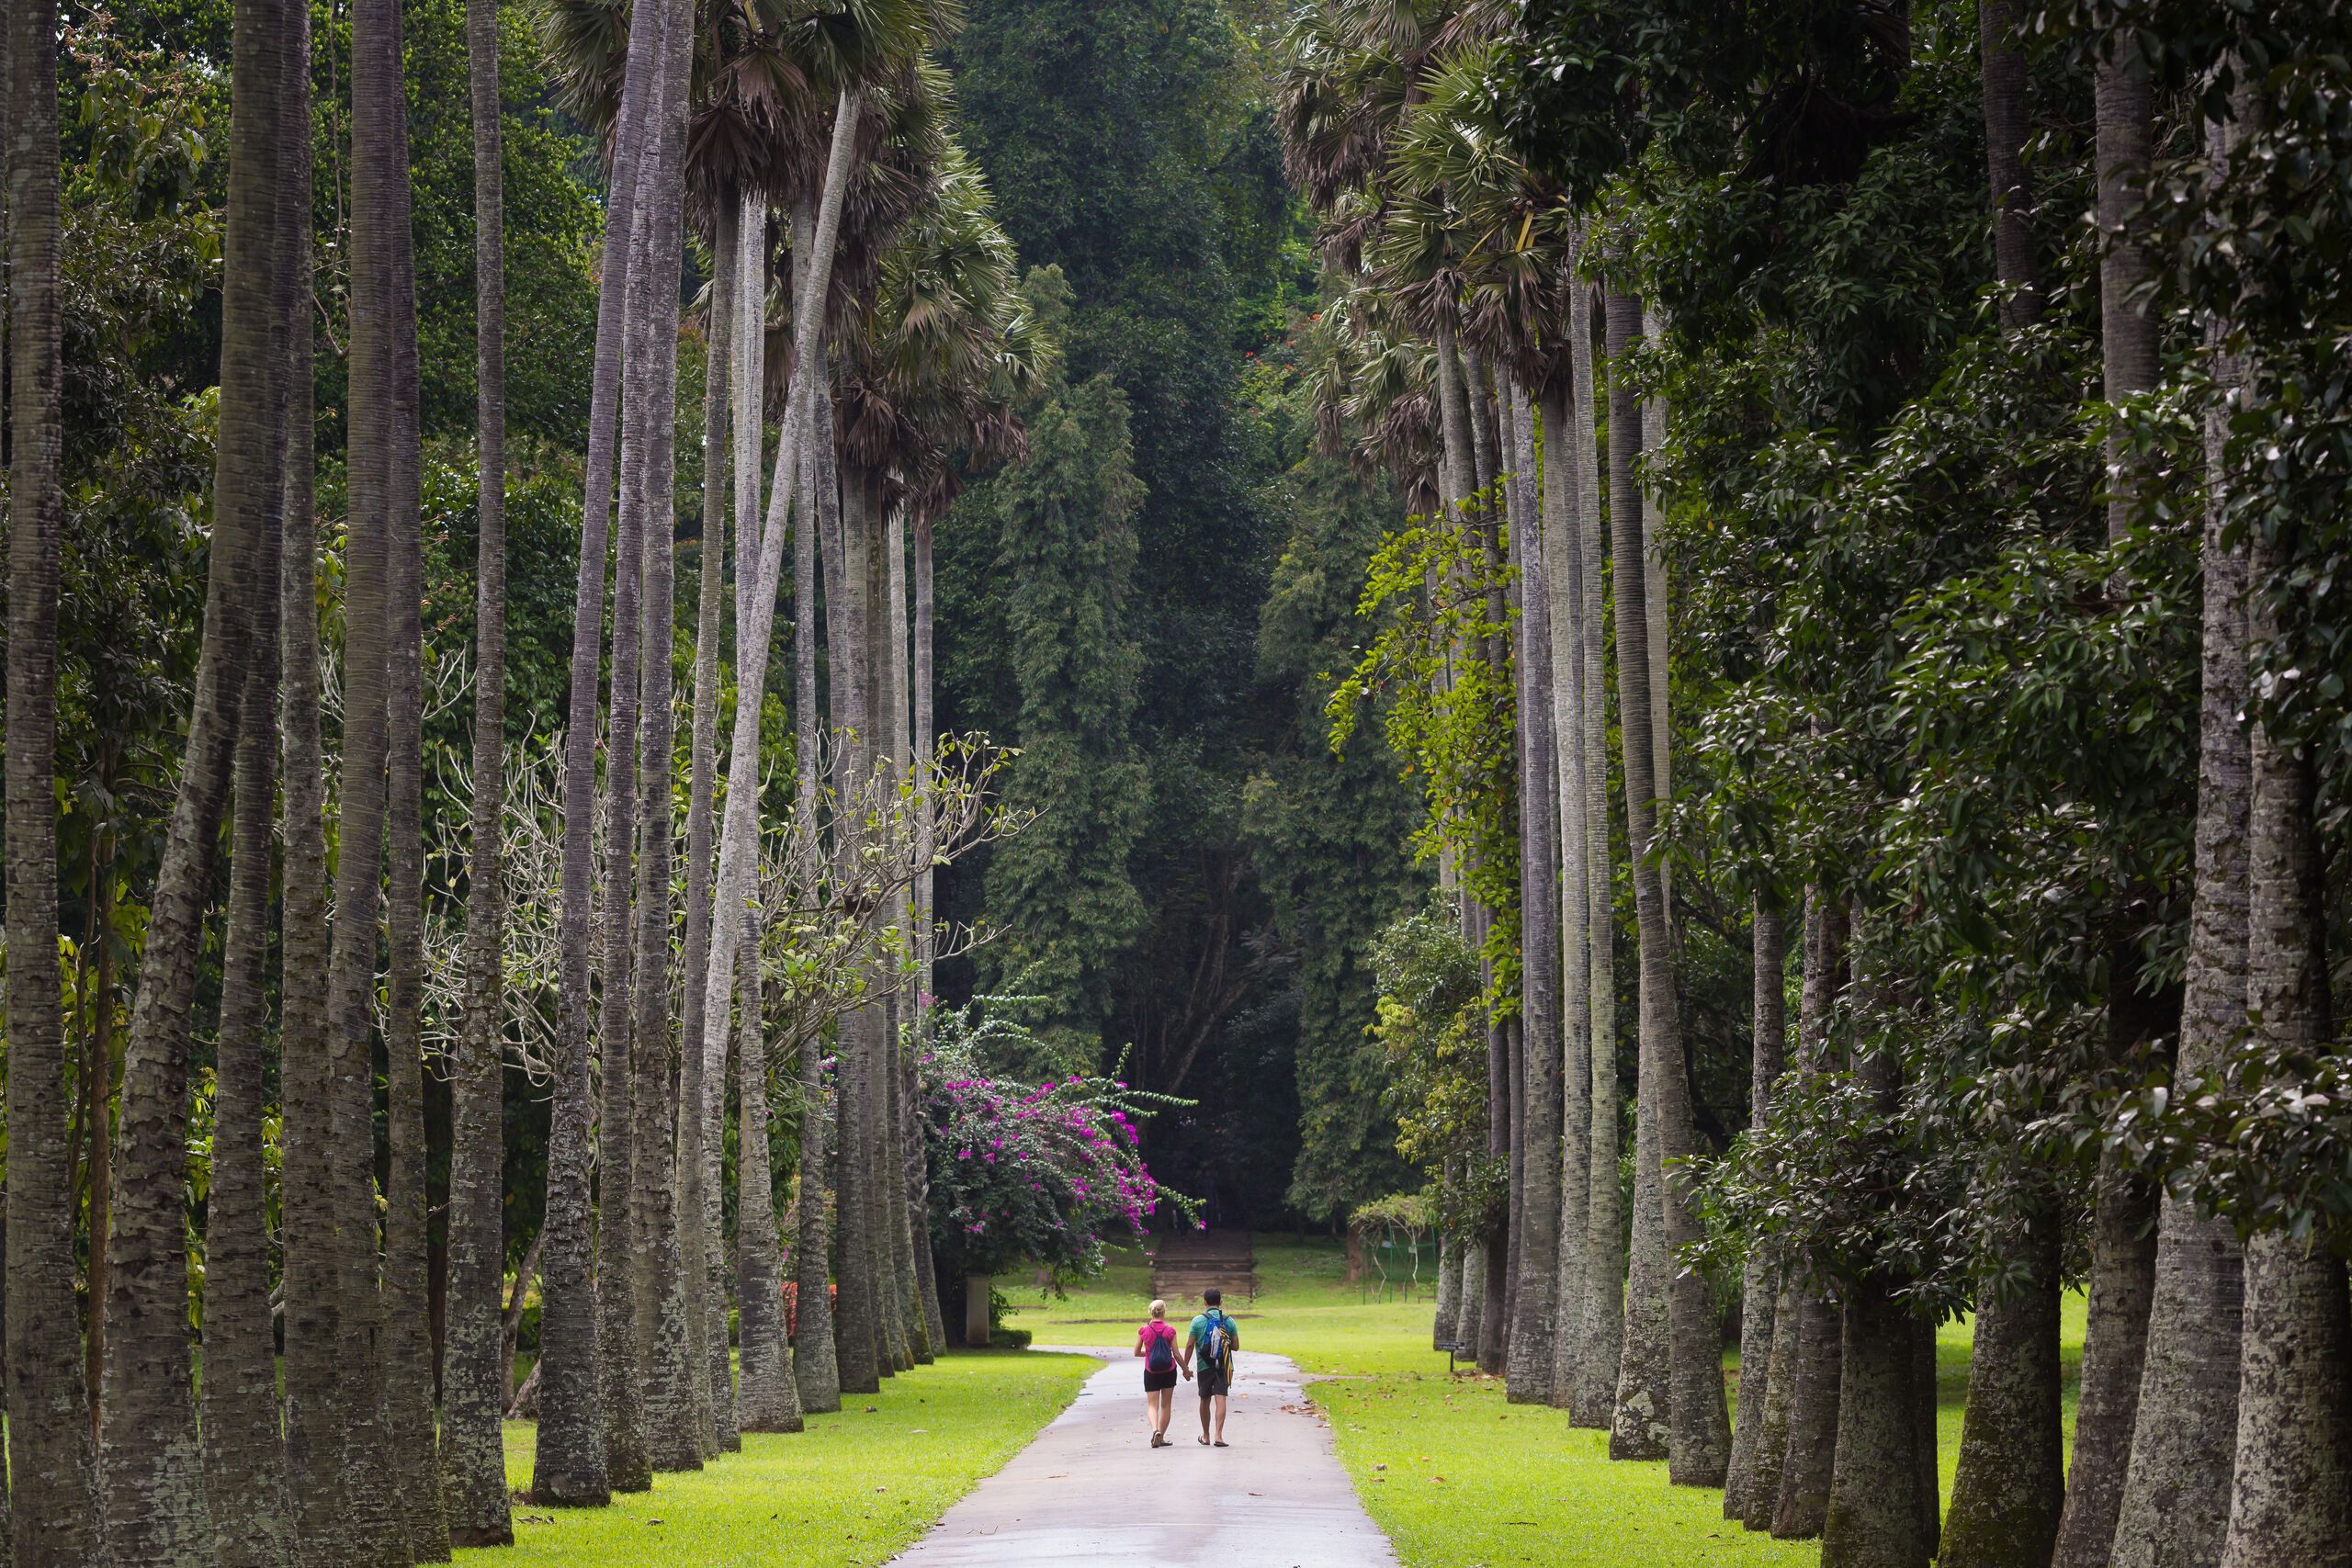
x,y
1091,1489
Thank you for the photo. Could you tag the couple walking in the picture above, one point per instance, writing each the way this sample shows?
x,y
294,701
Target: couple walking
x,y
1211,1342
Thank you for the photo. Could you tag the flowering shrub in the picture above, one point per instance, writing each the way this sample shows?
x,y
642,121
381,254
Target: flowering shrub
x,y
1028,1172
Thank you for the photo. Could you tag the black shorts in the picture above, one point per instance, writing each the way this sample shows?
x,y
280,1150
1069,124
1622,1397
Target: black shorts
x,y
1214,1381
1154,1381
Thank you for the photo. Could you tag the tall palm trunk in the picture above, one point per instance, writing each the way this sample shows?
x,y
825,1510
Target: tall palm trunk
x,y
648,468
1806,1454
705,1099
52,1523
2176,1505
739,834
1532,1339
769,1400
1758,1296
1642,1427
2124,1241
100,1005
2005,134
2012,1472
628,1465
570,1462
307,1194
1563,592
890,671
408,1360
372,1525
1601,1348
863,1356
150,1469
473,1380
244,1469
245,1472
1692,1424
925,917
2291,1493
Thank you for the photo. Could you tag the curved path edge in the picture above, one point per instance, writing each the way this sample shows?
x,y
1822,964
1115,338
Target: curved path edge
x,y
1091,1489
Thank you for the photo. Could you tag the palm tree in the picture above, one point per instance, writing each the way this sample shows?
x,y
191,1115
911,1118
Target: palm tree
x,y
769,1400
149,1470
408,1355
313,1406
569,1463
472,1378
372,1525
702,1086
1601,1336
53,1518
2124,1244
1758,1297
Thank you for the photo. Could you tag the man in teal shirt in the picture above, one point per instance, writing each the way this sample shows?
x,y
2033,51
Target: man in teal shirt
x,y
1212,1341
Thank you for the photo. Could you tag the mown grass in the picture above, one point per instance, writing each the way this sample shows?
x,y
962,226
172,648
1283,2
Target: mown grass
x,y
1455,1475
853,1490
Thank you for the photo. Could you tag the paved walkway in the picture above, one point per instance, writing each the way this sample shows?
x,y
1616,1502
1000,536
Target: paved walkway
x,y
1091,1489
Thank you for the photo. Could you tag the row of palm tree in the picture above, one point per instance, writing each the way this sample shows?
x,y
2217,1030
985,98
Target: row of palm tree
x,y
871,357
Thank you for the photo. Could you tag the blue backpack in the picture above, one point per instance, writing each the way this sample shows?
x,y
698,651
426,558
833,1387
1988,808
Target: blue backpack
x,y
1159,1356
1217,1340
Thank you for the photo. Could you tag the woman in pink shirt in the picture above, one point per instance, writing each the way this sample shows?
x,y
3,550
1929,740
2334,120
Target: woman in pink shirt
x,y
1156,1343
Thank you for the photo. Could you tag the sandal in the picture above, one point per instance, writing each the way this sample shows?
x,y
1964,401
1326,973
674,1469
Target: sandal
x,y
1219,1443
1203,1441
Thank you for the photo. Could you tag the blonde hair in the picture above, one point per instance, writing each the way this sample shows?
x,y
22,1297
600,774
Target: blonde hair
x,y
1159,1309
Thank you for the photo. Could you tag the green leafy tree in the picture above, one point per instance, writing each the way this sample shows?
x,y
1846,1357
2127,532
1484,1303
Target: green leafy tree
x,y
1060,892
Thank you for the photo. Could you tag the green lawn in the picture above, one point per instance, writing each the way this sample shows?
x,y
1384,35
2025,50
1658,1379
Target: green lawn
x,y
1454,1474
853,1489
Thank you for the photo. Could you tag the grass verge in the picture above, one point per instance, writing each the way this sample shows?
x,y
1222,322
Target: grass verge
x,y
1453,1474
853,1490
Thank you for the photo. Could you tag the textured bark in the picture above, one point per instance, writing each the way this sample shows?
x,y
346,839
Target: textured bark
x,y
707,1100
1808,1467
244,1472
925,919
2176,1504
312,1364
570,1462
2291,1493
738,847
1758,1295
2115,1345
1532,1331
476,1370
1776,1398
151,1469
2129,340
2005,134
104,1070
1474,1291
1874,1519
1641,1426
51,1518
1603,1335
1928,1494
2009,1487
1445,1324
1563,561
628,1464
1796,1511
676,1432
857,1313
768,1402
909,1230
408,1359
815,1374
888,626
369,1529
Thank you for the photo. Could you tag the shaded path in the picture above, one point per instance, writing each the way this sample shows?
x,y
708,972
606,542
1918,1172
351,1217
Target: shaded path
x,y
1091,1489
